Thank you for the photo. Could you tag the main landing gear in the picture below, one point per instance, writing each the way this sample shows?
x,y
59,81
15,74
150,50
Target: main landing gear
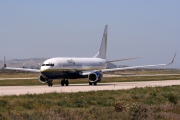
x,y
91,83
64,82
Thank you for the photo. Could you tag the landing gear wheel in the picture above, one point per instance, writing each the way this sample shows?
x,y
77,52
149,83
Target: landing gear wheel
x,y
62,82
50,84
66,82
90,83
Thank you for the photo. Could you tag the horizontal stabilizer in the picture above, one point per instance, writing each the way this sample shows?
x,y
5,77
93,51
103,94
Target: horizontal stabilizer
x,y
122,59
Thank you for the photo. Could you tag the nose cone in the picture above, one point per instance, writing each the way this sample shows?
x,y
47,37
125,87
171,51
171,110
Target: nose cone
x,y
47,65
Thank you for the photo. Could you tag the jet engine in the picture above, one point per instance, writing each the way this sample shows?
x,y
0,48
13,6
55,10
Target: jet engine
x,y
95,76
42,79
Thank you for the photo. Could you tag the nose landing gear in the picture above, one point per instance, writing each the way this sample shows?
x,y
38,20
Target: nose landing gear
x,y
50,84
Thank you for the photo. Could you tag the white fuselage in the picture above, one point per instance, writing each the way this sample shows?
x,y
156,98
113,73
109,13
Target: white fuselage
x,y
73,64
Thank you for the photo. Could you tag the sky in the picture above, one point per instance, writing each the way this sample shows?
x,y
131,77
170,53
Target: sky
x,y
74,28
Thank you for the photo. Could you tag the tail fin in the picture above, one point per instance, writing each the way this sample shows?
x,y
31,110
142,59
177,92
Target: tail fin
x,y
102,50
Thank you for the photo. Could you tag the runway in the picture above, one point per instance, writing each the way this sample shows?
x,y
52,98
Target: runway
x,y
20,90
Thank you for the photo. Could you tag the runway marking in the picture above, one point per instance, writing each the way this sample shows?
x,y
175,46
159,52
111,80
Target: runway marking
x,y
20,90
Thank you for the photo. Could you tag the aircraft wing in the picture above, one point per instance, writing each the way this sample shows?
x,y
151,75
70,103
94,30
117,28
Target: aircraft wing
x,y
118,69
21,69
126,68
134,67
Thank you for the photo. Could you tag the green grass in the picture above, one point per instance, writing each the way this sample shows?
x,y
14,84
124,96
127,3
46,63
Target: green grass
x,y
135,104
104,80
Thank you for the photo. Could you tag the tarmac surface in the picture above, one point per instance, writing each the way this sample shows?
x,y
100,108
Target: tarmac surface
x,y
20,90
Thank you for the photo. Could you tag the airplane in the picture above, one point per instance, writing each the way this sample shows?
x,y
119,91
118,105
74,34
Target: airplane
x,y
74,68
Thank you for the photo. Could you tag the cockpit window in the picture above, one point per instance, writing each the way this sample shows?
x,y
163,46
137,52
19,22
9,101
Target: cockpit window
x,y
48,65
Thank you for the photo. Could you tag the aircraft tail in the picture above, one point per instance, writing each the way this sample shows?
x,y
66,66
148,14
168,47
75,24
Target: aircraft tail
x,y
102,50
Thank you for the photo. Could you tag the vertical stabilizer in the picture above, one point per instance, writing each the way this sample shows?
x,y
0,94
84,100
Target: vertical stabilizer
x,y
102,50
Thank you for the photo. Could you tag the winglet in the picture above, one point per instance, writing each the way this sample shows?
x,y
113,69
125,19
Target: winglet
x,y
4,62
172,59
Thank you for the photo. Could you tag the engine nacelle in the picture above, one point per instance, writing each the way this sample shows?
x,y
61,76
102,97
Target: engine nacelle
x,y
42,79
95,76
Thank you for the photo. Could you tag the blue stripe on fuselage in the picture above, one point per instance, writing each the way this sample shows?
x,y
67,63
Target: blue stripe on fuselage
x,y
64,75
